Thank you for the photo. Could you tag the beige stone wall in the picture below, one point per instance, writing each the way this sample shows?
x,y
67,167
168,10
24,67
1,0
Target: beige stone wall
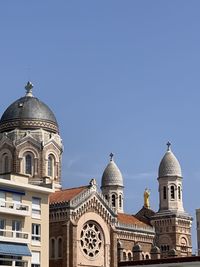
x,y
40,144
103,256
175,233
43,247
20,184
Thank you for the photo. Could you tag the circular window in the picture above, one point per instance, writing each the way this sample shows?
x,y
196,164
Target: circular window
x,y
91,239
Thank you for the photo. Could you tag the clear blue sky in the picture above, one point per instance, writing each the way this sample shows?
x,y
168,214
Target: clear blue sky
x,y
120,76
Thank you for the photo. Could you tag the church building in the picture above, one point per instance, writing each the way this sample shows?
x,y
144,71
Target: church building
x,y
88,226
44,224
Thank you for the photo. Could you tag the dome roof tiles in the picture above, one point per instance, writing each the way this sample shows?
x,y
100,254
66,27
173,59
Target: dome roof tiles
x,y
112,175
28,112
169,165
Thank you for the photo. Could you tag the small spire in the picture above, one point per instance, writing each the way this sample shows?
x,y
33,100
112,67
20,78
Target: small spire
x,y
111,156
169,146
29,87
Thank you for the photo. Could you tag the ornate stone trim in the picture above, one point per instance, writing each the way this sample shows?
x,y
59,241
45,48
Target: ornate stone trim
x,y
91,239
9,125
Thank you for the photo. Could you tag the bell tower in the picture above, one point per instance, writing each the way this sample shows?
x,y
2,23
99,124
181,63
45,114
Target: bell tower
x,y
172,223
112,185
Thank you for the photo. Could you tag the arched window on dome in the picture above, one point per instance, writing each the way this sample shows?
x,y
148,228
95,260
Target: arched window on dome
x,y
179,192
120,201
164,192
172,192
5,163
113,198
28,160
51,165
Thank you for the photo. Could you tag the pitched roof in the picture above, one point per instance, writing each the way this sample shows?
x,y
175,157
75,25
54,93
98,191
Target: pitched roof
x,y
66,194
130,219
145,215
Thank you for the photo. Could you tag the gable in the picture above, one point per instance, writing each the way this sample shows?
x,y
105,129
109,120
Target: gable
x,y
93,204
66,195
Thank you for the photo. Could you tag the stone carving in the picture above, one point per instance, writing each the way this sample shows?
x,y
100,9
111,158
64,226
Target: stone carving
x,y
91,239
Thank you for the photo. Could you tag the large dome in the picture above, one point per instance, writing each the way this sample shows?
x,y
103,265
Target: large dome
x,y
111,175
28,112
169,165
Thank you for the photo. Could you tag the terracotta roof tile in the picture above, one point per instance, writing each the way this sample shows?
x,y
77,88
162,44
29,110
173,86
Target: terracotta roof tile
x,y
130,219
66,194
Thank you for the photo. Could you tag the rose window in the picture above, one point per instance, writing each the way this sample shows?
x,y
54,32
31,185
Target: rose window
x,y
91,239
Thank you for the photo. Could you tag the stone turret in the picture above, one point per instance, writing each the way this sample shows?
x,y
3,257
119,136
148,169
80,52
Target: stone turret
x,y
112,185
172,223
170,182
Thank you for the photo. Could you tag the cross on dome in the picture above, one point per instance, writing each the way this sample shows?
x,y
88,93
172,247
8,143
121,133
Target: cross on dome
x,y
29,87
111,156
168,146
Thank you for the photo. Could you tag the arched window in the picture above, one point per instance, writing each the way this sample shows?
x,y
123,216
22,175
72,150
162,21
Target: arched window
x,y
179,192
164,192
124,256
183,241
120,201
52,248
147,257
28,164
50,166
113,200
165,248
6,164
129,256
60,247
172,192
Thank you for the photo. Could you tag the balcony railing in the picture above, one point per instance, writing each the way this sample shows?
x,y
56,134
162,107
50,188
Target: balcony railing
x,y
6,262
14,236
15,208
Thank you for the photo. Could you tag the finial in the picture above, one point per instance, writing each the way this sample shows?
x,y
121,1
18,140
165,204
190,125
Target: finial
x,y
111,156
28,88
168,146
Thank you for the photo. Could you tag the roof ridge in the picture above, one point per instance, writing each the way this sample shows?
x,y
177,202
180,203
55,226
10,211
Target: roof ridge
x,y
71,188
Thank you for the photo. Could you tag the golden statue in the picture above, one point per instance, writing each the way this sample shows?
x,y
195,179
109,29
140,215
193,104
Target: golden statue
x,y
146,198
